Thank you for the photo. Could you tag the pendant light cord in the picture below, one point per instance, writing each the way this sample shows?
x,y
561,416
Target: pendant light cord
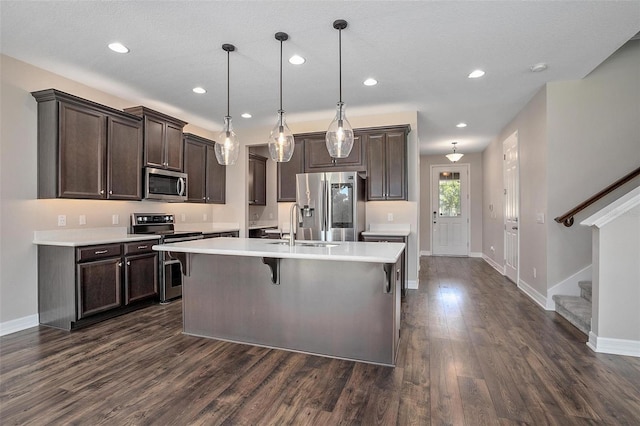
x,y
228,83
280,75
340,61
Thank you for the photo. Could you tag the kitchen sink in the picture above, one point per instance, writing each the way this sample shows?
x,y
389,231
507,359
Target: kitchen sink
x,y
307,244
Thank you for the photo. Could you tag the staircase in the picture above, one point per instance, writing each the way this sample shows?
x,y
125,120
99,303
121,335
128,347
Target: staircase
x,y
576,309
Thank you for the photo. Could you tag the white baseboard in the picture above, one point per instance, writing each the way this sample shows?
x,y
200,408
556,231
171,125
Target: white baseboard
x,y
493,263
568,286
412,284
534,294
425,253
614,346
475,254
19,324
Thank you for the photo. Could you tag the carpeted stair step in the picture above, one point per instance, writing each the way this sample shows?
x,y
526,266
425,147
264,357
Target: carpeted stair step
x,y
585,290
576,310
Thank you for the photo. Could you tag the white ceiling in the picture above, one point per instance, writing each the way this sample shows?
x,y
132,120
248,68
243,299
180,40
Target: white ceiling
x,y
420,51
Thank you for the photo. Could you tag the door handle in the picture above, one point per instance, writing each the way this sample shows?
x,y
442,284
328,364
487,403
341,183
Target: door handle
x,y
514,227
434,217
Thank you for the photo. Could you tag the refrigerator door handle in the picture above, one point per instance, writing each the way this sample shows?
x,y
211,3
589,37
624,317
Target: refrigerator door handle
x,y
325,205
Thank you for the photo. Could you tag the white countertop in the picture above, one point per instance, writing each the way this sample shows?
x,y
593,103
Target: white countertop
x,y
257,247
87,237
388,230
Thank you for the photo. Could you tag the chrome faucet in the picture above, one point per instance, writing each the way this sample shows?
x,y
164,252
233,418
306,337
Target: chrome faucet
x,y
292,235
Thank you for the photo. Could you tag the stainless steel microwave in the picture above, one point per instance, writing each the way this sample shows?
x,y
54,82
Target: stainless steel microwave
x,y
165,185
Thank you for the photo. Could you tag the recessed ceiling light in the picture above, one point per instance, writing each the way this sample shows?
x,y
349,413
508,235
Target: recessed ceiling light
x,y
539,67
199,90
297,60
476,74
118,47
370,82
461,125
246,115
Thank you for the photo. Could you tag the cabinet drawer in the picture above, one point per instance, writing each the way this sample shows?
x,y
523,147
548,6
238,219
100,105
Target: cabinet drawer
x,y
139,247
99,252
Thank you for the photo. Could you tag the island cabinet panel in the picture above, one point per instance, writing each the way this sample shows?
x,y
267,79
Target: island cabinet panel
x,y
163,142
257,180
287,172
78,286
87,150
206,178
340,309
317,158
386,163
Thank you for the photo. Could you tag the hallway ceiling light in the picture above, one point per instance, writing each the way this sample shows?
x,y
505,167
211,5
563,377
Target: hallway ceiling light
x,y
461,125
370,82
199,90
281,143
227,150
476,74
539,67
454,156
246,115
118,47
297,60
339,137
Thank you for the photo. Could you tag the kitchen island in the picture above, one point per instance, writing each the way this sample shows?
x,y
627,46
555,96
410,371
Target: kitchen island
x,y
337,299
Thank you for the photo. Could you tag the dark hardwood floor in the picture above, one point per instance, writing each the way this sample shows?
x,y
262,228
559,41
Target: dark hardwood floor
x,y
473,350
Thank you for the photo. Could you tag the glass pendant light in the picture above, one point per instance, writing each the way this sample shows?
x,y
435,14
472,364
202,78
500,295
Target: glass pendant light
x,y
281,142
339,137
454,156
228,146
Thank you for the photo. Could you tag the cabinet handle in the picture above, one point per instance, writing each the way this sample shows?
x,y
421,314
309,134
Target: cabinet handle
x,y
102,192
208,198
119,264
204,198
129,264
110,192
102,251
142,247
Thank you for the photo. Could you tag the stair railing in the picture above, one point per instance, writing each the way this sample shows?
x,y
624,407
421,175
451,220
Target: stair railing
x,y
567,218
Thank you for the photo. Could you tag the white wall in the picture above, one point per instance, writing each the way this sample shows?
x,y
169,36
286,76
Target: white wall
x,y
474,160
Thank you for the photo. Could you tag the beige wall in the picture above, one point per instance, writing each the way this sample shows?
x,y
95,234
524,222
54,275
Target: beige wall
x,y
474,160
575,138
21,213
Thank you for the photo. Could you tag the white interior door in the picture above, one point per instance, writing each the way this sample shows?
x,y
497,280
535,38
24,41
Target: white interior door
x,y
450,210
511,205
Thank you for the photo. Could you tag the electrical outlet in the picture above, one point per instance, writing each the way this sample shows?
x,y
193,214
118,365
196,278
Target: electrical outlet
x,y
493,249
535,273
389,217
183,217
115,219
62,220
204,217
82,220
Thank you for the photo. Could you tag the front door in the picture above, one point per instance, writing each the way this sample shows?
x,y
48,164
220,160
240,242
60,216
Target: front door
x,y
450,210
511,206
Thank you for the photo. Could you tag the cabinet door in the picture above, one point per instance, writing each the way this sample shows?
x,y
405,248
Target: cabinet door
x,y
216,178
124,159
317,158
174,146
99,286
287,173
82,152
376,170
396,166
154,146
141,277
194,166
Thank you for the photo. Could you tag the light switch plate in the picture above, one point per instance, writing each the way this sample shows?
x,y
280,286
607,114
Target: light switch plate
x,y
183,217
82,220
540,217
204,216
62,220
115,219
389,217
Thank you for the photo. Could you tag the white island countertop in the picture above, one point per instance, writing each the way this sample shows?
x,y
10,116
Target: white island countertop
x,y
257,247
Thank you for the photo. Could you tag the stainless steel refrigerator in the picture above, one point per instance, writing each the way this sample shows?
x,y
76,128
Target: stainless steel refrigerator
x,y
332,206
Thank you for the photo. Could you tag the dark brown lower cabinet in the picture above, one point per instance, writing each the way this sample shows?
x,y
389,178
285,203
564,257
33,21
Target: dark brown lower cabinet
x,y
78,286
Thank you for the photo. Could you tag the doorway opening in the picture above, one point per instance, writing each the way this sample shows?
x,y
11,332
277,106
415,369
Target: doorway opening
x,y
450,210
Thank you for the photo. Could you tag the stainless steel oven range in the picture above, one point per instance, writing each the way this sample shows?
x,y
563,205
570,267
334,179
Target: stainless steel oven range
x,y
162,224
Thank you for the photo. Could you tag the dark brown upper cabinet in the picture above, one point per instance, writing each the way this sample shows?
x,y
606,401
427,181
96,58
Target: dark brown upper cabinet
x,y
257,180
87,150
317,158
287,172
386,163
206,178
163,143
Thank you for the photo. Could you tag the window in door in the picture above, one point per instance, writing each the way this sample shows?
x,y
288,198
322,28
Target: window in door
x,y
449,194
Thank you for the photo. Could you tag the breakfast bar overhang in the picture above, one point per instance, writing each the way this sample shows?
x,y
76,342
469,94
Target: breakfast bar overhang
x,y
338,299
